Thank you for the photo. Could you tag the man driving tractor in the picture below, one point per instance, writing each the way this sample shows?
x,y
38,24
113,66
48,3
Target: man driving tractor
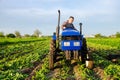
x,y
68,23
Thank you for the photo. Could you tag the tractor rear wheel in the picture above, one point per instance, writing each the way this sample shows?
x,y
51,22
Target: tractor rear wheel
x,y
52,54
84,51
86,57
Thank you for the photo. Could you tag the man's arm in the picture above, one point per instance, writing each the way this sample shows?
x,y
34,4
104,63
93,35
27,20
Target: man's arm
x,y
64,25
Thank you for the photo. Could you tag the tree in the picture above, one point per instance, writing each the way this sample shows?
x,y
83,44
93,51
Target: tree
x,y
17,33
117,34
99,36
37,33
11,35
26,35
2,34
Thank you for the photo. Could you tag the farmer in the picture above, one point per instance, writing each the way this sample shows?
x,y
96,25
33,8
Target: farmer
x,y
68,23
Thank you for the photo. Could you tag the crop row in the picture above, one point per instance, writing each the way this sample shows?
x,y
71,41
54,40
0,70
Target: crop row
x,y
17,57
103,69
101,48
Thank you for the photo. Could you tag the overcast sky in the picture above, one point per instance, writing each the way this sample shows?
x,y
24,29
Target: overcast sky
x,y
97,16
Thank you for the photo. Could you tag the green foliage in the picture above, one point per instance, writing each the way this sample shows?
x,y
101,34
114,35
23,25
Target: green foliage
x,y
117,34
2,34
113,70
26,35
17,54
106,43
20,55
37,33
103,47
11,35
86,74
99,36
5,41
17,33
41,74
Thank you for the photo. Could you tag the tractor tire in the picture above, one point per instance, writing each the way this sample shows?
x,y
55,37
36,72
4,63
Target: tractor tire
x,y
51,61
84,51
52,54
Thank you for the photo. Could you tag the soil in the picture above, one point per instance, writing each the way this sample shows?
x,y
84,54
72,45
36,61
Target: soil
x,y
37,66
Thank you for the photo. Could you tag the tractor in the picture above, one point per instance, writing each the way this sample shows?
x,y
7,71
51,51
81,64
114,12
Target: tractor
x,y
71,43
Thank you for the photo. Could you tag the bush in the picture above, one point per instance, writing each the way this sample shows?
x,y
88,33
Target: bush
x,y
2,34
26,35
117,34
17,33
99,36
11,35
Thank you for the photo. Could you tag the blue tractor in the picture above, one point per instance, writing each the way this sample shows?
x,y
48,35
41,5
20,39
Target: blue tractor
x,y
71,43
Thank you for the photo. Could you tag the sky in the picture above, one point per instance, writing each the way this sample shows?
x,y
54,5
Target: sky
x,y
25,16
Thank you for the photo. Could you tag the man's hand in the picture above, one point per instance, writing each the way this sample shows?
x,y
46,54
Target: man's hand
x,y
64,27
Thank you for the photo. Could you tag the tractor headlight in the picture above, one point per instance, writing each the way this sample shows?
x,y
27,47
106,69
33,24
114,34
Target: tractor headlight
x,y
66,43
76,43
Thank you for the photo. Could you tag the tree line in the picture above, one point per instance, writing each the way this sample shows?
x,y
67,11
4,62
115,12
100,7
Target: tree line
x,y
17,34
116,35
38,33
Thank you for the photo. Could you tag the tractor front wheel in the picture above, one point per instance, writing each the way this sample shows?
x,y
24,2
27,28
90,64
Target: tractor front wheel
x,y
51,61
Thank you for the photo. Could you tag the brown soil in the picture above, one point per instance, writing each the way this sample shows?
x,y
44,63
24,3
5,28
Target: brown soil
x,y
34,70
27,70
77,75
99,72
55,73
37,66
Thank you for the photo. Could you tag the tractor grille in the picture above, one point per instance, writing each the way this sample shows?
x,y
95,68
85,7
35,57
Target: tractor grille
x,y
71,38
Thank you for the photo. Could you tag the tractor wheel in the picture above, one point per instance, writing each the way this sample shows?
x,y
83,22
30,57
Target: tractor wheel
x,y
52,54
84,51
51,61
83,58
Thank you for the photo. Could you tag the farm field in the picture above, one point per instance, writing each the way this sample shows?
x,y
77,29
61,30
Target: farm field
x,y
101,48
27,59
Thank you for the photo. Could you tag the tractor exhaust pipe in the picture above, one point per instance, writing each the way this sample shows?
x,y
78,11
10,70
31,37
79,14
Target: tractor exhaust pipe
x,y
80,28
58,30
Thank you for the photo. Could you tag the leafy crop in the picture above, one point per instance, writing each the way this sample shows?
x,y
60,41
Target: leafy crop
x,y
103,47
21,55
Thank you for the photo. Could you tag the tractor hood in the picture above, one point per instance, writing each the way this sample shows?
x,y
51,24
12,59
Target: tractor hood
x,y
70,32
